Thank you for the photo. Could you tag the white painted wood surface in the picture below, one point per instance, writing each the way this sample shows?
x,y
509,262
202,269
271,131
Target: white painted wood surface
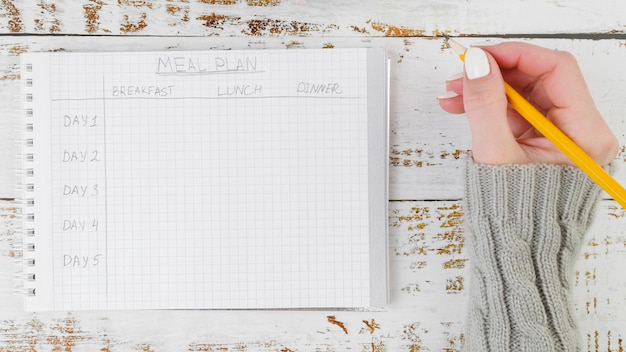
x,y
312,18
428,259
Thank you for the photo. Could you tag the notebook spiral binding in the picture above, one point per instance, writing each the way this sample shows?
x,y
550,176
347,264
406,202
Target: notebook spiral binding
x,y
25,171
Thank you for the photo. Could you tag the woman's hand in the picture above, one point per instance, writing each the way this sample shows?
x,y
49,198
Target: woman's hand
x,y
551,81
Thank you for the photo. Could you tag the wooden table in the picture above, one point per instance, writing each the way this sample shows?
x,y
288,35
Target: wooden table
x,y
428,258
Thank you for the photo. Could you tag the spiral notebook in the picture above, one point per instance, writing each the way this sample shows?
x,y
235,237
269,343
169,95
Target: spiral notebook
x,y
205,179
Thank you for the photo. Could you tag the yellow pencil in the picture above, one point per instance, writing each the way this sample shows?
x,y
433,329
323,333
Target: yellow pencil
x,y
558,138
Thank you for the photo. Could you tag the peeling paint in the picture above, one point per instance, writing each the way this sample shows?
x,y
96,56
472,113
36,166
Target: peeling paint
x,y
417,214
55,23
358,29
333,320
293,44
47,7
455,285
172,9
410,157
219,2
393,31
593,342
176,10
210,347
17,50
454,340
15,20
412,332
278,27
437,34
217,21
130,27
263,2
455,264
378,346
452,248
418,265
92,16
411,289
135,3
616,212
371,325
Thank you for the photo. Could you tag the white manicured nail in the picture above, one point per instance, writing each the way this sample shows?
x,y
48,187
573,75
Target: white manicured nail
x,y
454,77
476,63
447,95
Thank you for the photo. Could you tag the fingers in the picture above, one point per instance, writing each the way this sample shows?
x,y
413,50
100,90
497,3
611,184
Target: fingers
x,y
548,78
452,100
534,60
553,82
486,107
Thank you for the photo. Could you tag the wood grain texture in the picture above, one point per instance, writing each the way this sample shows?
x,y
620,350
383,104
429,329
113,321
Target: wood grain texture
x,y
428,256
308,18
429,278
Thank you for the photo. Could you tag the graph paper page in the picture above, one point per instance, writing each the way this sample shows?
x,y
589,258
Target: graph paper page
x,y
213,179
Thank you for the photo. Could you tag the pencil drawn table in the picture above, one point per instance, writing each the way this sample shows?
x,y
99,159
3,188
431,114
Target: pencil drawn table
x,y
428,258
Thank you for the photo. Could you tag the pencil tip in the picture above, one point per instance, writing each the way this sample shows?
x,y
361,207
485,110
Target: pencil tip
x,y
458,48
446,41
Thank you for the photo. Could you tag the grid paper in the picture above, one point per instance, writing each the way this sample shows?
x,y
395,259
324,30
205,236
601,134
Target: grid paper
x,y
209,179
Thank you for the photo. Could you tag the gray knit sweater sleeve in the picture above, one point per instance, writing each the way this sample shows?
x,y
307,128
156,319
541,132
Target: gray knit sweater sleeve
x,y
525,227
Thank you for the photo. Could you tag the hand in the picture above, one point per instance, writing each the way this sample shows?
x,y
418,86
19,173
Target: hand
x,y
551,81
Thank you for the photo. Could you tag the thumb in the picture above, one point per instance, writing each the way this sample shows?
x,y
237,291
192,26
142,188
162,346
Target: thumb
x,y
486,105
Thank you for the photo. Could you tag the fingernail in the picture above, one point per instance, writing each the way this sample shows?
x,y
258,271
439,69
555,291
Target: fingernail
x,y
476,63
447,95
454,77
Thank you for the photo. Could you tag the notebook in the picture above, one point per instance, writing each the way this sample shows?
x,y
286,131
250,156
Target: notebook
x,y
252,179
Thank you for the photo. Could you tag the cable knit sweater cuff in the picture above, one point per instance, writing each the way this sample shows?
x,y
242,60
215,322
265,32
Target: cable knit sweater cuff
x,y
537,190
525,225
